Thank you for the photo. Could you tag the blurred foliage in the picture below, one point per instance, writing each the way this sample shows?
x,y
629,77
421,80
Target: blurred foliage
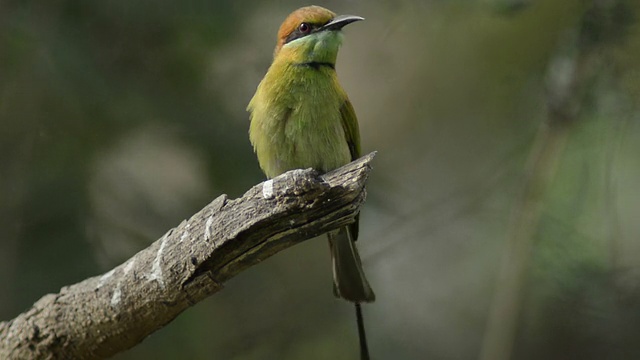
x,y
119,119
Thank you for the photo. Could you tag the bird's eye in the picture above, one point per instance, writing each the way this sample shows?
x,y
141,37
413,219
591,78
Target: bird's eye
x,y
304,28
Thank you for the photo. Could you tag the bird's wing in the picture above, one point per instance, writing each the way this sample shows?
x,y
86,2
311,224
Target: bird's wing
x,y
350,126
352,134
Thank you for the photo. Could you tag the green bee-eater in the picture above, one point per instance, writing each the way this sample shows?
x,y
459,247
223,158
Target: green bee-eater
x,y
301,118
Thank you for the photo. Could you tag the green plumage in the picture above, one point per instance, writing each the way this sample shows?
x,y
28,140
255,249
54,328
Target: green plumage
x,y
300,115
301,118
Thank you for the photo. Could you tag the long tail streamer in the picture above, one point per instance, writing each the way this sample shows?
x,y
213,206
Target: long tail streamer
x,y
364,349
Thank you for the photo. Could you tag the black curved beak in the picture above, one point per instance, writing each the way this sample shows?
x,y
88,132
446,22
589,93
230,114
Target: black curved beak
x,y
340,21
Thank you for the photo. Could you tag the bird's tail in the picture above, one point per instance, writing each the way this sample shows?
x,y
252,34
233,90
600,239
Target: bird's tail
x,y
349,281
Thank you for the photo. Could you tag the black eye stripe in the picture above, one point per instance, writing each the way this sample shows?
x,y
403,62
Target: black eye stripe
x,y
297,33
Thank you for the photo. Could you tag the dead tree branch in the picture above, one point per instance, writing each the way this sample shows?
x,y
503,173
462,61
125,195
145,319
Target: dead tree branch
x,y
106,314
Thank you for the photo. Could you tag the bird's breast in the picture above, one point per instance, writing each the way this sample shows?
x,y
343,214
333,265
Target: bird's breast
x,y
296,121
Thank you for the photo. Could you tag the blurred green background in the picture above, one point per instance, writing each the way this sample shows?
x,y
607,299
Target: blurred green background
x,y
119,119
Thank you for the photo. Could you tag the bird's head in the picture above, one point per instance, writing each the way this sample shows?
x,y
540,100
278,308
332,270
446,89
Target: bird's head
x,y
311,34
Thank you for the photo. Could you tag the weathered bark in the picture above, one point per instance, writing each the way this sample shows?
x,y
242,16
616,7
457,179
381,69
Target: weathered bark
x,y
106,314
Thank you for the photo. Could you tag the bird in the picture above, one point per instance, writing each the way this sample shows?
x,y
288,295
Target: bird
x,y
301,117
